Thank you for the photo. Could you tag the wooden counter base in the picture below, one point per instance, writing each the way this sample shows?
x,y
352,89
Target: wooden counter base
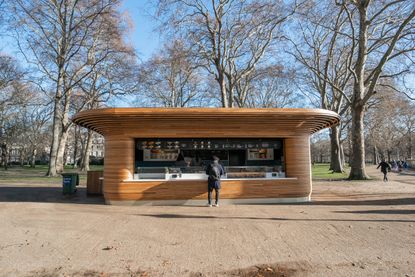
x,y
203,202
197,189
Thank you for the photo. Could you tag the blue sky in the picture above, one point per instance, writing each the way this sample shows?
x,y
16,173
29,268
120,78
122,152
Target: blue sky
x,y
143,36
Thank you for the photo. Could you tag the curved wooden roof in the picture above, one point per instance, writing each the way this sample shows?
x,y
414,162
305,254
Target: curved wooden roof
x,y
199,122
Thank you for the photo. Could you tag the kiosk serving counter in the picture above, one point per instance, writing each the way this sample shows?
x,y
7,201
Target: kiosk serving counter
x,y
159,155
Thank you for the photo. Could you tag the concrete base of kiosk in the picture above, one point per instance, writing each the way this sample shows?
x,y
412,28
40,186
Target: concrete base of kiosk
x,y
204,202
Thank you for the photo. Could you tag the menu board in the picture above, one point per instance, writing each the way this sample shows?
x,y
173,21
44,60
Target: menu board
x,y
209,144
160,154
262,154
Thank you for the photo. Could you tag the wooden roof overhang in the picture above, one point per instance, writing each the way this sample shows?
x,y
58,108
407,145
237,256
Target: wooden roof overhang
x,y
202,122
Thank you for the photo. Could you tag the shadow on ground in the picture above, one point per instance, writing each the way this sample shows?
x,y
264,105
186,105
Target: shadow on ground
x,y
47,195
379,212
342,202
186,216
374,202
54,195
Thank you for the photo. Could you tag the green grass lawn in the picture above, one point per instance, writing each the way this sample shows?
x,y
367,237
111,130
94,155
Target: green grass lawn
x,y
37,174
322,172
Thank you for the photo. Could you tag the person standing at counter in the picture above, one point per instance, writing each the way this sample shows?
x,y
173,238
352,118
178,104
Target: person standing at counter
x,y
215,171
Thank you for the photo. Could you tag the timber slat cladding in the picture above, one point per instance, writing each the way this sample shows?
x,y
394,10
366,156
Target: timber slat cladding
x,y
297,159
119,161
93,182
167,122
187,189
120,126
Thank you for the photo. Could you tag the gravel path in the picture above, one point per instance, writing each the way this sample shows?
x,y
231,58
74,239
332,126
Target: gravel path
x,y
350,229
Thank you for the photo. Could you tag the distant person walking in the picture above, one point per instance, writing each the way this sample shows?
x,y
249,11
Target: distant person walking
x,y
215,171
384,168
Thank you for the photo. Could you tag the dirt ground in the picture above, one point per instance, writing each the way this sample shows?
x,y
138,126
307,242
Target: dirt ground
x,y
350,229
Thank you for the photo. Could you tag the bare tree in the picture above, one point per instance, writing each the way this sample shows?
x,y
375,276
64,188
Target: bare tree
x,y
270,87
170,78
378,35
12,96
324,54
111,67
319,148
37,135
405,123
116,77
382,121
228,37
57,37
30,129
9,73
381,32
391,124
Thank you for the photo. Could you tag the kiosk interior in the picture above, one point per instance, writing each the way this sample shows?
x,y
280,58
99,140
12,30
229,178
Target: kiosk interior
x,y
187,158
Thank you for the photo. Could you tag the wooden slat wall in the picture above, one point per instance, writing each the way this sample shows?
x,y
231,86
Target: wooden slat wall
x,y
118,164
197,189
298,161
93,183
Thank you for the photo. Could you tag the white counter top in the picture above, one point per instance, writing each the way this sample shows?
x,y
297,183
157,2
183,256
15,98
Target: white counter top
x,y
199,176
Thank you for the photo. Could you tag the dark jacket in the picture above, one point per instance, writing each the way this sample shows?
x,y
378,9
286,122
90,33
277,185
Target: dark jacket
x,y
384,166
212,183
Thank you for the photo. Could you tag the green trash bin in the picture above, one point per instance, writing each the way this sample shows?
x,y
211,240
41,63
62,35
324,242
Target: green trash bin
x,y
69,182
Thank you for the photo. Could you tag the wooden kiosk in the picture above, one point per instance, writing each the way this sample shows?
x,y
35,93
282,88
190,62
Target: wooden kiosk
x,y
158,155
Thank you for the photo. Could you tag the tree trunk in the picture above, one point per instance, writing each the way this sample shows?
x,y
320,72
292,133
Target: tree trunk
x,y
5,155
375,156
343,160
335,159
357,163
21,158
33,159
230,92
82,140
87,152
60,161
75,147
56,132
349,142
61,152
222,85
